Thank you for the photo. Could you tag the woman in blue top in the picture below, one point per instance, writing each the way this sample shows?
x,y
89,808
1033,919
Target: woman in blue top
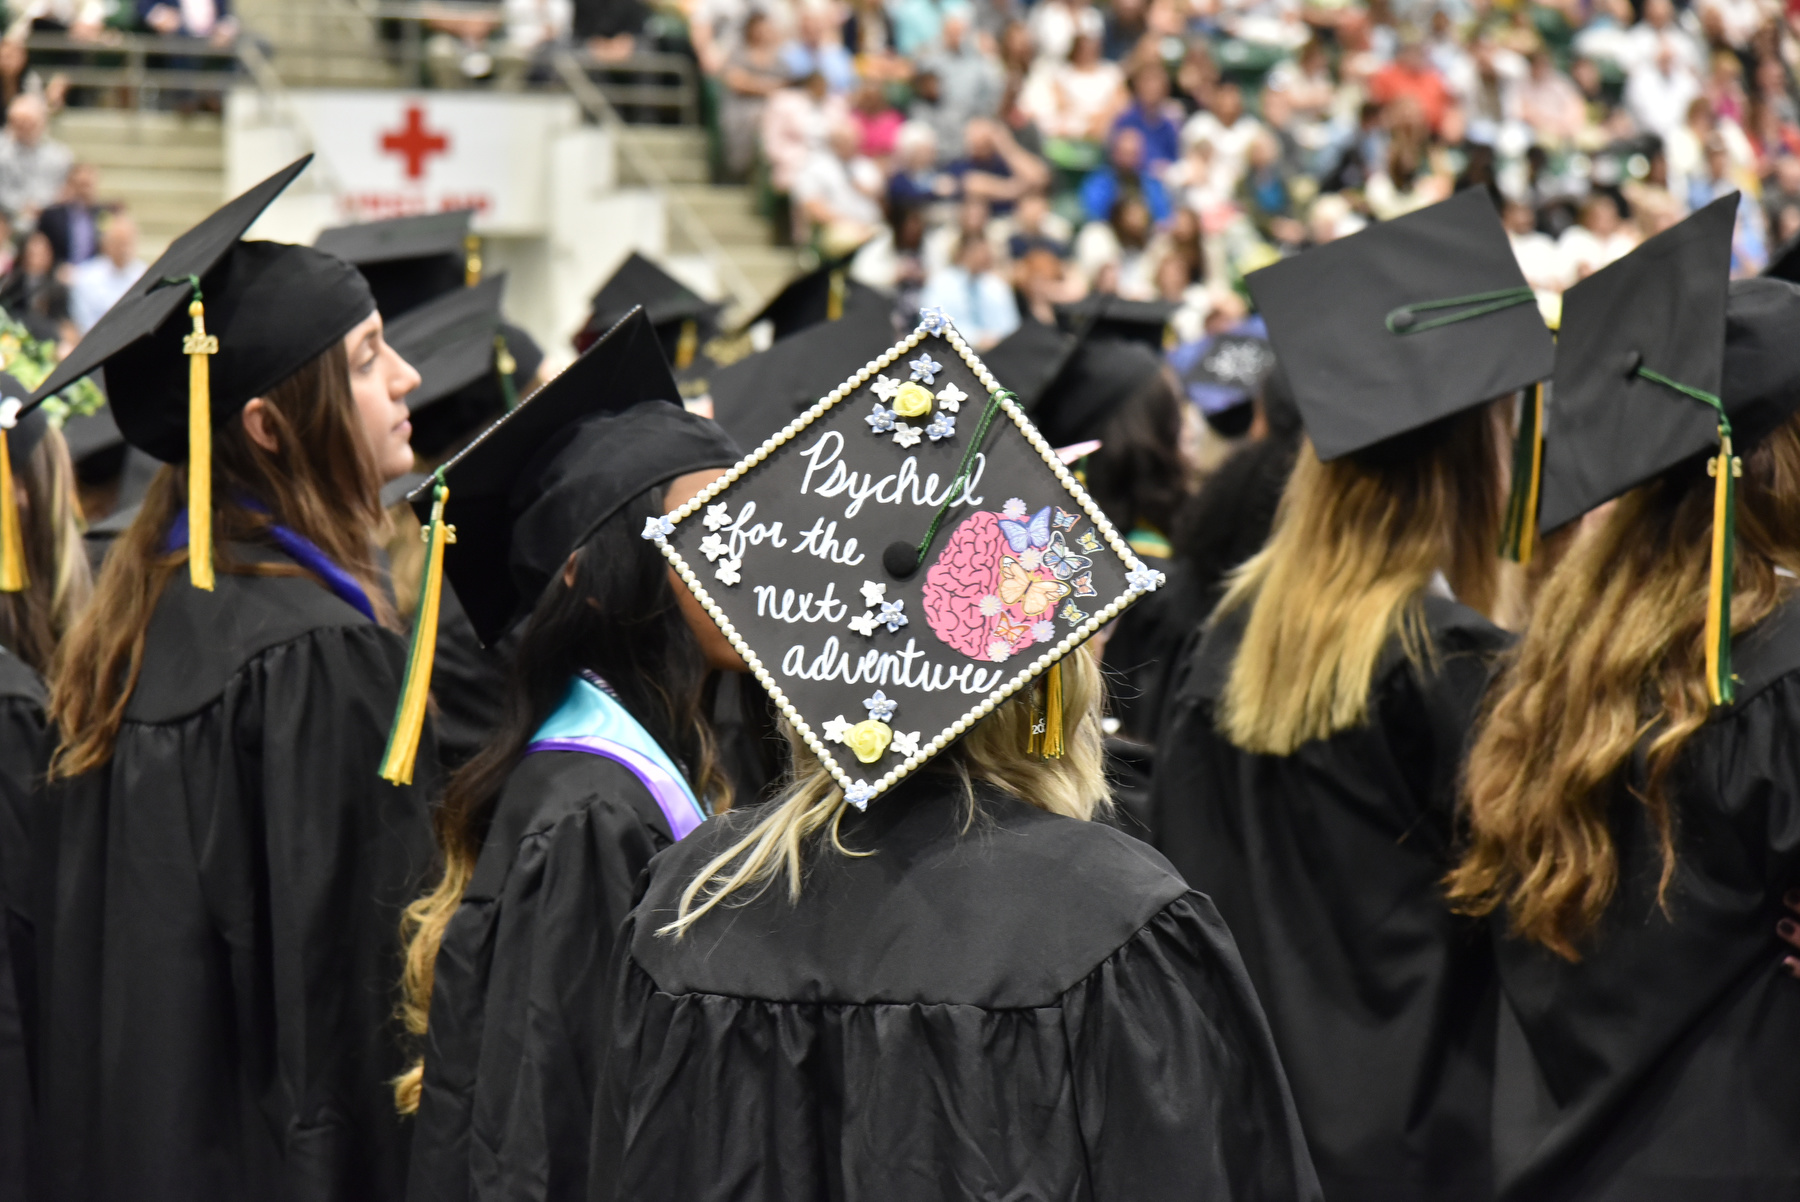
x,y
604,759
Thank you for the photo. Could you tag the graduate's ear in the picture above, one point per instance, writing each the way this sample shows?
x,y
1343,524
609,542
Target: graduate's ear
x,y
256,425
569,570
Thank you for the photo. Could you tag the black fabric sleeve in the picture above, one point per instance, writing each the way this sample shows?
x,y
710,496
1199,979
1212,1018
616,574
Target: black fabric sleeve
x,y
1179,1089
22,759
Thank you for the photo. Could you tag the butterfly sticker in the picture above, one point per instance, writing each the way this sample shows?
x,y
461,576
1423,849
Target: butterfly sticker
x,y
1064,562
1065,520
1019,587
1074,614
1090,542
1032,533
1084,586
1012,633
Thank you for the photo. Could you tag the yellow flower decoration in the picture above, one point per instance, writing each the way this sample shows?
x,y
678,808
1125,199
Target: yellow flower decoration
x,y
869,739
913,400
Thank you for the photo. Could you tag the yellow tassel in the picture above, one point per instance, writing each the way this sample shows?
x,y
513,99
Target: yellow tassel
x,y
834,298
471,260
199,347
1528,531
1046,739
687,344
13,577
1718,635
409,715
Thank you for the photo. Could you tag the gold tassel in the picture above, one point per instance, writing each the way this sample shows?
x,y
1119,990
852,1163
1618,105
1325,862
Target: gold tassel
x,y
1046,739
1724,471
13,577
199,347
687,344
834,297
471,260
409,714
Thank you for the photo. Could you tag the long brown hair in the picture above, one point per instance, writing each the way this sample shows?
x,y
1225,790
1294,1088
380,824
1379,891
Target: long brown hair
x,y
619,618
321,483
1613,663
1355,544
59,583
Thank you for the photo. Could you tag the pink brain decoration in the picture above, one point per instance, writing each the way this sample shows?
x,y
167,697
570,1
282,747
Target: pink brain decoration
x,y
966,570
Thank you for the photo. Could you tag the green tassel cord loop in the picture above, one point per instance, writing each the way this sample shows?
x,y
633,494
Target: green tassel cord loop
x,y
1405,319
988,413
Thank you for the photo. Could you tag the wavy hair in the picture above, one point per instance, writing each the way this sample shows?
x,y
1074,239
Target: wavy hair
x,y
1612,665
1356,542
59,582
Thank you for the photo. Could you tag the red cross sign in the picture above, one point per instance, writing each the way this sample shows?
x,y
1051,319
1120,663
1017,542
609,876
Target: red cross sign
x,y
414,142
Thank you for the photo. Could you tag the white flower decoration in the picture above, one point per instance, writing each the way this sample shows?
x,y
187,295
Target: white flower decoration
x,y
836,728
892,616
942,426
951,397
991,606
905,744
658,529
907,436
728,571
712,546
1043,632
924,368
859,794
881,707
874,592
1143,580
998,650
717,516
1031,559
885,387
1014,508
933,319
882,420
864,624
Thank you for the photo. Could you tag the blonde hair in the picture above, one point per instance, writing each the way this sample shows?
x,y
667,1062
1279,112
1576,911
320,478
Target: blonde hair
x,y
59,582
993,752
1614,659
1355,544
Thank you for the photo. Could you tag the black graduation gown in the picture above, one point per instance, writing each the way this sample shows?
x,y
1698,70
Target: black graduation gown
x,y
1660,1067
1325,864
1029,1008
222,961
512,1050
22,758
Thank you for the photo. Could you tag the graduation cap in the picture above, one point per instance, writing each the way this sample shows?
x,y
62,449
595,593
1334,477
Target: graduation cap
x,y
684,322
1103,315
1100,376
825,293
1029,358
1403,323
1661,359
91,434
900,559
1784,264
273,307
408,260
1224,372
761,393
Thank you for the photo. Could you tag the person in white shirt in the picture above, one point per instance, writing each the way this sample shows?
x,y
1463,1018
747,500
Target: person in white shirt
x,y
1601,238
97,284
838,191
1658,92
1540,262
1230,130
973,295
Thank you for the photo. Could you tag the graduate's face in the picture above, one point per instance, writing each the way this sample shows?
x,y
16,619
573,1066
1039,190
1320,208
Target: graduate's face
x,y
380,380
719,652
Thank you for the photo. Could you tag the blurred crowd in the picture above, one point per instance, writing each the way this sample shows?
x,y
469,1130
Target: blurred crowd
x,y
995,158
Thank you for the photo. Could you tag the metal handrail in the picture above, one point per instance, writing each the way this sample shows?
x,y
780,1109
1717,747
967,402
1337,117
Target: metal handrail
x,y
588,94
136,49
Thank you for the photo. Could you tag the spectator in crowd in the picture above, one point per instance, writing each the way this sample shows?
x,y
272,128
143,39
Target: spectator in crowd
x,y
98,282
1660,89
877,121
1155,117
32,294
838,192
1229,130
462,50
818,47
208,20
994,167
1601,237
797,121
1540,261
972,294
1126,171
73,223
34,167
969,80
1076,100
608,29
752,73
8,254
916,181
1411,75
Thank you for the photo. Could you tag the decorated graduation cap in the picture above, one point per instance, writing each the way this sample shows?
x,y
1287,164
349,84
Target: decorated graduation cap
x,y
683,320
765,391
532,489
1661,359
900,559
21,429
1102,315
1402,324
273,308
1223,373
408,260
825,293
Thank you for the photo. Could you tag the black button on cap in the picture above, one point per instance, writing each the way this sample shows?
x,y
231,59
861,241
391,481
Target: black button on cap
x,y
901,560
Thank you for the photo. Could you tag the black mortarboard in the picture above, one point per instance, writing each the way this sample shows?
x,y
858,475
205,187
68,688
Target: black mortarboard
x,y
407,260
1227,371
536,484
825,293
1101,375
90,434
1404,323
902,558
1784,264
1029,358
1663,307
1102,315
761,393
683,320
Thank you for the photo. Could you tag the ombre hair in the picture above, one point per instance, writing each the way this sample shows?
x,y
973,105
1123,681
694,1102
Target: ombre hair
x,y
1355,544
1612,665
805,820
